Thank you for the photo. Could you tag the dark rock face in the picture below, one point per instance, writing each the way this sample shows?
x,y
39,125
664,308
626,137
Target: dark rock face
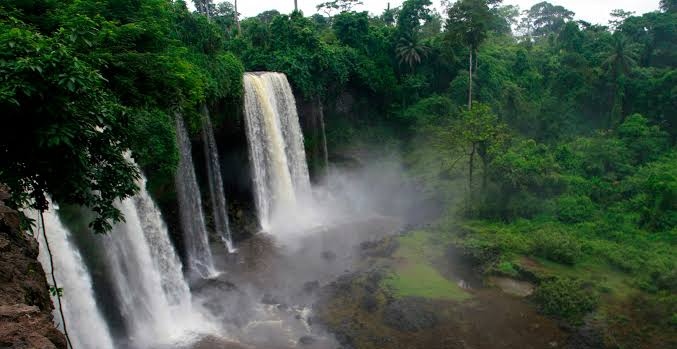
x,y
25,306
382,249
311,286
307,340
409,314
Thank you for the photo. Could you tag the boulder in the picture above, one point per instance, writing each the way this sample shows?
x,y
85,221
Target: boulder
x,y
409,314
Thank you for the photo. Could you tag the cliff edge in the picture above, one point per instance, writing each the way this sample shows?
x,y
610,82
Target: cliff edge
x,y
25,307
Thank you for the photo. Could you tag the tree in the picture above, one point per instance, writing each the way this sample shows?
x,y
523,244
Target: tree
x,y
411,51
351,28
620,60
480,129
544,19
669,5
204,7
410,16
67,133
340,6
618,17
469,22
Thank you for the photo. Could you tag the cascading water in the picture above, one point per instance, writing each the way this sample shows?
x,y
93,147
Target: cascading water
x,y
278,159
86,326
146,275
196,240
216,181
164,257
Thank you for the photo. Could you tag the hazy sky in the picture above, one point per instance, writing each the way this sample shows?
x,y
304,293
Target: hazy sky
x,y
595,11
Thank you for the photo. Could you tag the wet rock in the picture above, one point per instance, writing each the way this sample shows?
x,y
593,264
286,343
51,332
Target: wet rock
x,y
270,299
212,342
367,245
369,303
307,340
311,286
514,287
215,285
409,314
587,336
380,249
329,256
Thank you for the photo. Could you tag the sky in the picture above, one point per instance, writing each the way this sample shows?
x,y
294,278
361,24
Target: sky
x,y
594,11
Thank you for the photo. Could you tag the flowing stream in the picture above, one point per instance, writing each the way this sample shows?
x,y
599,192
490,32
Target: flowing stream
x,y
218,197
278,159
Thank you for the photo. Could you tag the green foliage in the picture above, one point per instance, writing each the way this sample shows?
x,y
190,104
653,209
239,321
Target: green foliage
x,y
86,80
574,208
556,246
66,131
418,277
566,298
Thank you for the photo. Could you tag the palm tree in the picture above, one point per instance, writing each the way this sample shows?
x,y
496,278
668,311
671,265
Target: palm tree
x,y
621,58
411,51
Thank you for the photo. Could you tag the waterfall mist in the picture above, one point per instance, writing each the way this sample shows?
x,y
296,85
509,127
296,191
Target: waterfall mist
x,y
199,255
310,236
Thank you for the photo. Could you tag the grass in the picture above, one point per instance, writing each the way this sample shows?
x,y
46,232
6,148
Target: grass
x,y
414,274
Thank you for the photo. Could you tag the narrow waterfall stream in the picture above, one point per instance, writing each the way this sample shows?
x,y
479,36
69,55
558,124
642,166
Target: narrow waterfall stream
x,y
278,159
195,235
218,197
86,326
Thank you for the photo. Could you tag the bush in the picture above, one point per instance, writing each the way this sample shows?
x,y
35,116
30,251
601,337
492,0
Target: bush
x,y
556,247
565,298
574,209
507,268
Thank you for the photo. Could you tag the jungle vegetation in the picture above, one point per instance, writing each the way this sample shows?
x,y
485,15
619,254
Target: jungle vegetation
x,y
545,137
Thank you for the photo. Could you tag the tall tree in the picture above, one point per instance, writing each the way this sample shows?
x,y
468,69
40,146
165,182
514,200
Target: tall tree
x,y
669,5
411,51
339,6
469,22
544,19
620,60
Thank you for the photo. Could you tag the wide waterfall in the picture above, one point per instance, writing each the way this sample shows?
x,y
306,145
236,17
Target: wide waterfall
x,y
84,322
147,277
278,159
219,206
195,235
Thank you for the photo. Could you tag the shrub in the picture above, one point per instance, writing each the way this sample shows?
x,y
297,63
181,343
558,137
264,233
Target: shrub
x,y
556,247
574,209
565,298
507,268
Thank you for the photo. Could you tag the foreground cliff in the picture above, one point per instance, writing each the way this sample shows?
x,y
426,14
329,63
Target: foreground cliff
x,y
25,306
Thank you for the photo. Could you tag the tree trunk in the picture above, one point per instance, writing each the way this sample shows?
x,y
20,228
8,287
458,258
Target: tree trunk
x,y
471,164
237,19
470,81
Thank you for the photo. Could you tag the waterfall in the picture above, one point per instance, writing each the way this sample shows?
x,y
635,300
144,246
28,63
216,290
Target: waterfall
x,y
277,156
216,191
86,326
163,255
195,236
147,277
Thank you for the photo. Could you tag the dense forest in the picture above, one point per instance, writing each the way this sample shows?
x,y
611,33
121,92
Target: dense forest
x,y
541,138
